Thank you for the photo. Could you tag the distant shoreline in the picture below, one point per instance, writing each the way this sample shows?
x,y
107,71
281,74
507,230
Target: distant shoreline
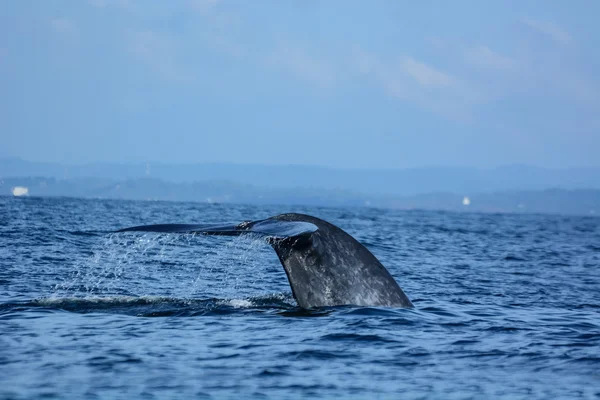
x,y
582,202
464,181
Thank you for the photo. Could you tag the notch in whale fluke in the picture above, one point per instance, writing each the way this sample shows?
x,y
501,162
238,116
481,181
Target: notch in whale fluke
x,y
325,266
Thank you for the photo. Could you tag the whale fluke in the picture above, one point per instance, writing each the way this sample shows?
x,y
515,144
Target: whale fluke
x,y
325,266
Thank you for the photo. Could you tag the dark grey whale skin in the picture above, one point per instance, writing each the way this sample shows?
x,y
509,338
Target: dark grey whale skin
x,y
325,266
329,267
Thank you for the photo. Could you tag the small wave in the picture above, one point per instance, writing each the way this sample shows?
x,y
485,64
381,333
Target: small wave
x,y
161,306
311,354
108,300
87,233
355,337
153,306
512,257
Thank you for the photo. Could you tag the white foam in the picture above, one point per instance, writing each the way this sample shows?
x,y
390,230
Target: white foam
x,y
239,303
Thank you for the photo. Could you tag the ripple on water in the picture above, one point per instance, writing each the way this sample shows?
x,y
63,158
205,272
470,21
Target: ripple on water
x,y
506,306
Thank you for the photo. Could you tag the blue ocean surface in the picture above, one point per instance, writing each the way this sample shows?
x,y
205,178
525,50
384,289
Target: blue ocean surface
x,y
506,307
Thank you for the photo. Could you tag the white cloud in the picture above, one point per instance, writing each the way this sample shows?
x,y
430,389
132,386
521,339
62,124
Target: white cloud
x,y
425,74
417,83
485,57
557,34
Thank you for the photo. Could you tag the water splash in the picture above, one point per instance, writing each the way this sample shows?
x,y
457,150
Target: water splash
x,y
225,267
173,265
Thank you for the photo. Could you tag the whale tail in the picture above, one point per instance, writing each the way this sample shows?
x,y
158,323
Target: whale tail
x,y
325,266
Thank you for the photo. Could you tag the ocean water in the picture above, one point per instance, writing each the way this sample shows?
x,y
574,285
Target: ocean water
x,y
506,306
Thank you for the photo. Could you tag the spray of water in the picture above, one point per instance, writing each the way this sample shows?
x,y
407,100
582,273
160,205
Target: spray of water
x,y
183,267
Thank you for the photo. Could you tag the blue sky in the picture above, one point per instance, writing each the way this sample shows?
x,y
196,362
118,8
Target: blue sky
x,y
352,84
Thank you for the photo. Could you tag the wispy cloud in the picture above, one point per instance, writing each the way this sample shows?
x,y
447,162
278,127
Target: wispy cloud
x,y
456,81
424,74
483,56
415,82
549,29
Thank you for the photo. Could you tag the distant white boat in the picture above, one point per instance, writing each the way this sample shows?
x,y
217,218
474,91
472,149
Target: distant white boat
x,y
20,191
466,201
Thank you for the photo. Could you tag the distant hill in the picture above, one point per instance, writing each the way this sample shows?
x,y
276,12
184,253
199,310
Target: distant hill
x,y
401,182
562,201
